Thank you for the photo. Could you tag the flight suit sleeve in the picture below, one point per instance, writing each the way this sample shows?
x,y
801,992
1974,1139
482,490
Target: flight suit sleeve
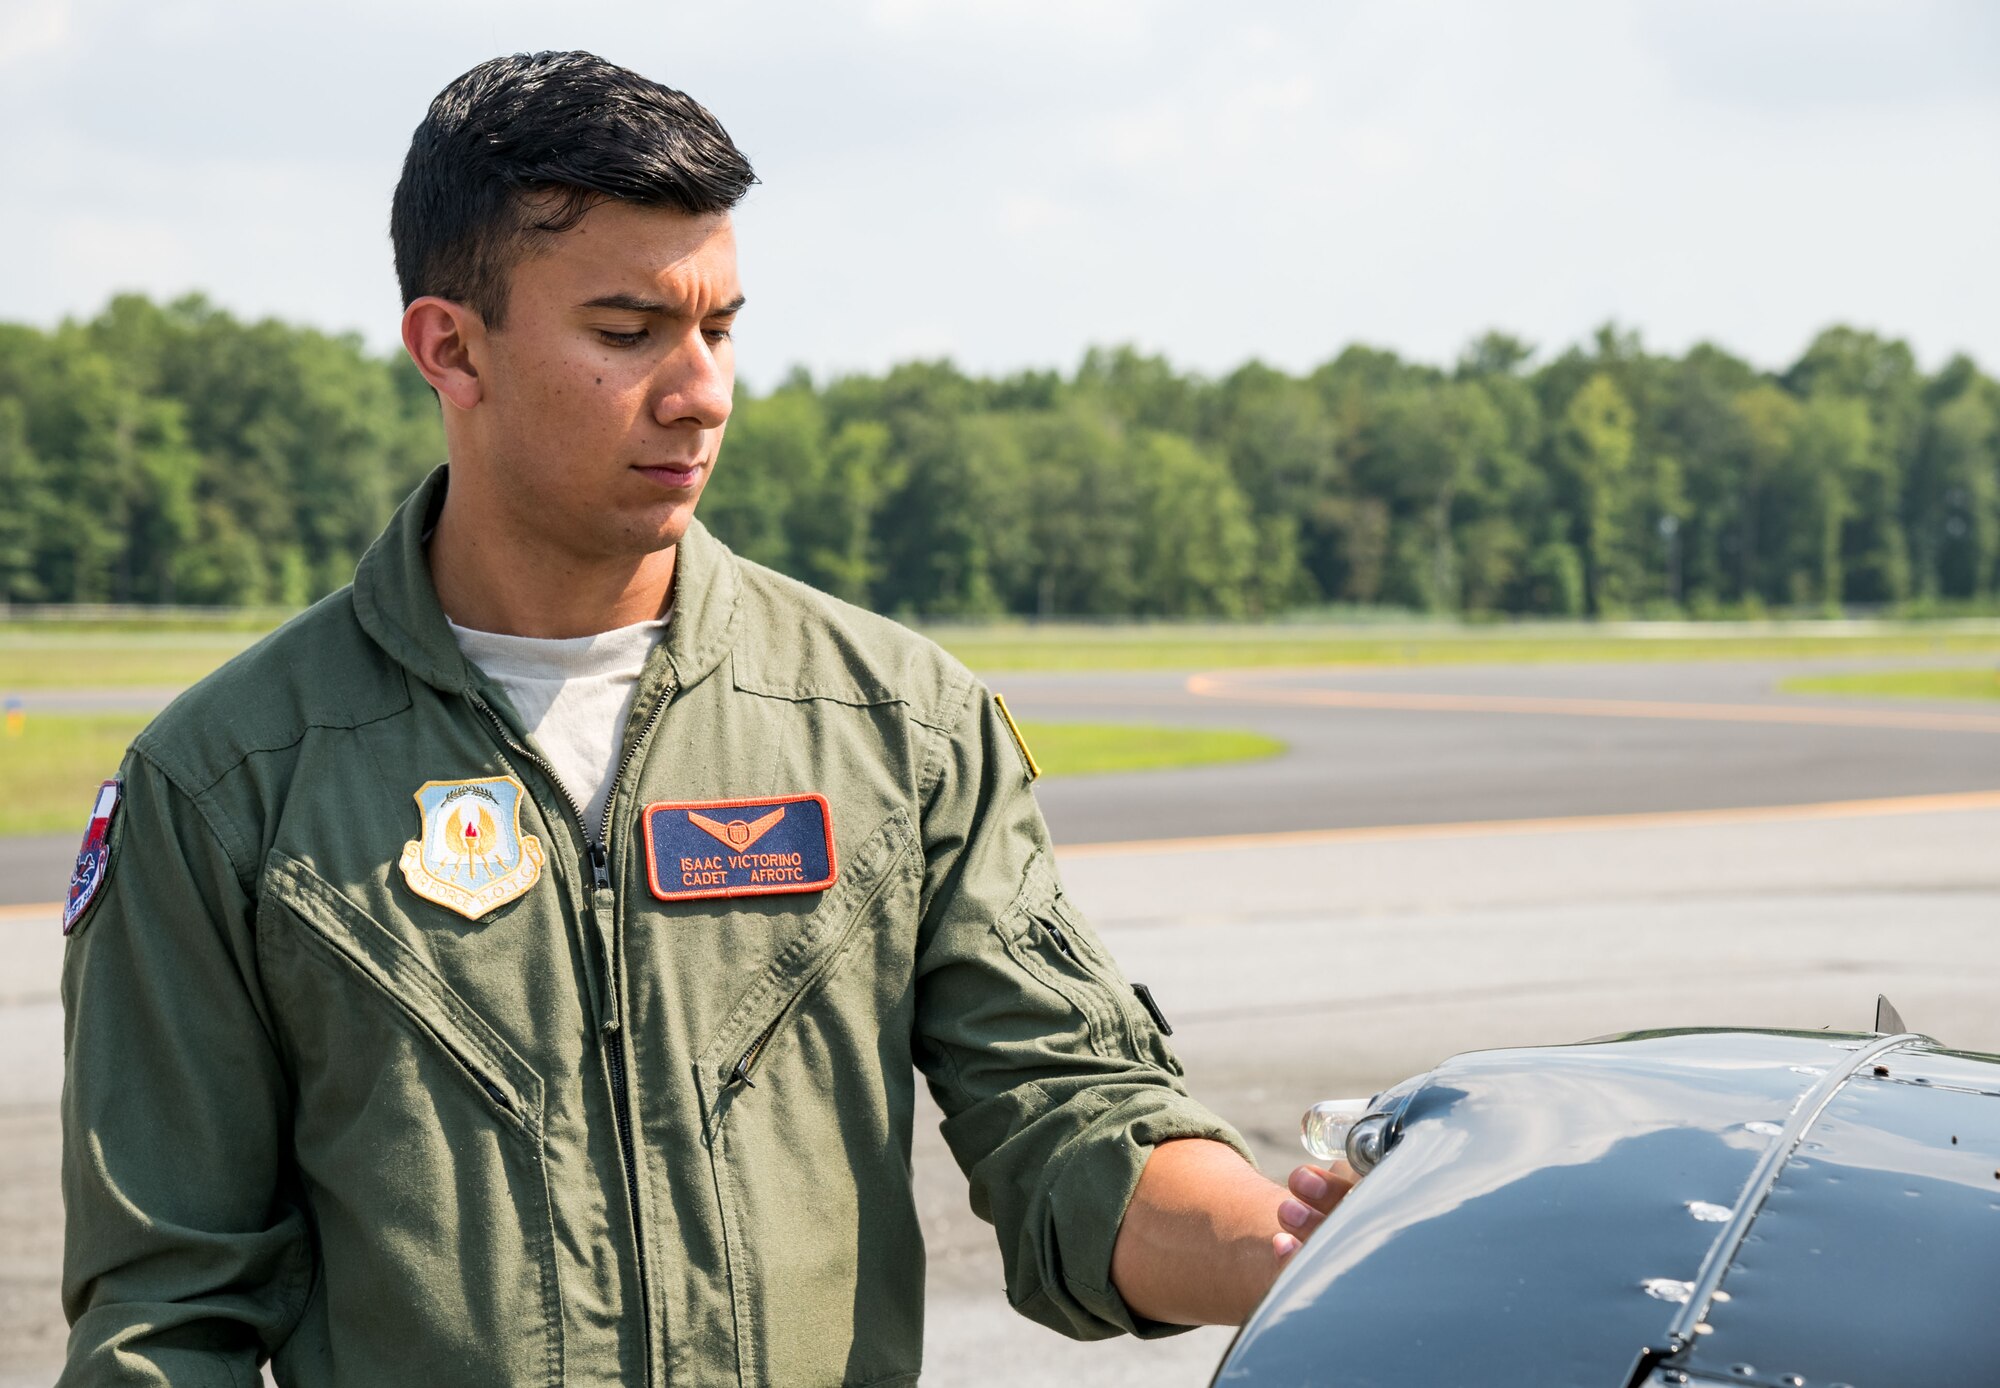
x,y
1054,1080
185,1260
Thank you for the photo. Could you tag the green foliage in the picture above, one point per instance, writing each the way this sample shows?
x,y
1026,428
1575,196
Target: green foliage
x,y
173,454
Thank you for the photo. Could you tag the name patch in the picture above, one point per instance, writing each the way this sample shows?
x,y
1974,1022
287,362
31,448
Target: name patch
x,y
712,848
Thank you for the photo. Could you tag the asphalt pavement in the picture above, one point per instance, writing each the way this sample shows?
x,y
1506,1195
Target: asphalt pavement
x,y
1395,746
1444,859
1472,743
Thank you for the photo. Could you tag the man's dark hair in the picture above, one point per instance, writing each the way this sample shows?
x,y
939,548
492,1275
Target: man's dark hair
x,y
519,149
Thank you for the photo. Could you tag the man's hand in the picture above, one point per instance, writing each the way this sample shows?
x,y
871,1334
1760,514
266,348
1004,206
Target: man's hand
x,y
1318,1189
1205,1235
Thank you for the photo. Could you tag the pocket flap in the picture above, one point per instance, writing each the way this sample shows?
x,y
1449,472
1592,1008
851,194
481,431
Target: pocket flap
x,y
424,1000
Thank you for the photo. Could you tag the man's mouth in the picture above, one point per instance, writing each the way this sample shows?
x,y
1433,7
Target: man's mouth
x,y
674,477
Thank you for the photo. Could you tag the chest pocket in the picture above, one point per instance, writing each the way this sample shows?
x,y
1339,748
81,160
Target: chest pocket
x,y
801,966
417,1134
809,1090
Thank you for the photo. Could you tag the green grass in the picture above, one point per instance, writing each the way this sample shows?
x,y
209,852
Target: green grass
x,y
1087,749
44,655
37,659
1202,648
1903,684
50,769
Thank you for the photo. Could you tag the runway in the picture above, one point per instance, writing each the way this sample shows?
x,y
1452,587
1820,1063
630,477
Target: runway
x,y
1475,743
1447,745
1444,859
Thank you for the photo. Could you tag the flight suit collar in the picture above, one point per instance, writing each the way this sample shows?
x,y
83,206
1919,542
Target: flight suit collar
x,y
397,605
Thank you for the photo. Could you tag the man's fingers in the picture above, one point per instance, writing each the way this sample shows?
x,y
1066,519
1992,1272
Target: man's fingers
x,y
1322,1187
1299,1220
1318,1189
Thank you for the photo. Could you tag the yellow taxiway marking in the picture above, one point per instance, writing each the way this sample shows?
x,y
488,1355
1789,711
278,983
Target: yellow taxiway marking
x,y
1492,828
1231,687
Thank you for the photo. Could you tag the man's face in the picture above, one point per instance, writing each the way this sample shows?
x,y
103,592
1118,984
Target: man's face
x,y
603,398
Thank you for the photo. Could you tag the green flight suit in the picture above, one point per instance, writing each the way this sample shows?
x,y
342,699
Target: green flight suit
x,y
593,1136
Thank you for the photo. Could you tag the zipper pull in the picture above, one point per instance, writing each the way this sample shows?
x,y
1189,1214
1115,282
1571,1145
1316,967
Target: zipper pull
x,y
493,1092
741,1074
603,911
1145,996
1061,939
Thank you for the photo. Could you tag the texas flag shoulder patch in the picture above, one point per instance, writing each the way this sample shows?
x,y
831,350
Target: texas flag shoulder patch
x,y
93,860
711,848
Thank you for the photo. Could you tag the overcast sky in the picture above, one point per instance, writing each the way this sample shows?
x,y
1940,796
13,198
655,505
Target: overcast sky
x,y
1007,182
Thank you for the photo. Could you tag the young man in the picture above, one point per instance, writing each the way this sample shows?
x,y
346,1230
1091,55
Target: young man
x,y
514,969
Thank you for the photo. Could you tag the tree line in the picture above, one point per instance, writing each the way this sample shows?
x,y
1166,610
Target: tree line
x,y
172,453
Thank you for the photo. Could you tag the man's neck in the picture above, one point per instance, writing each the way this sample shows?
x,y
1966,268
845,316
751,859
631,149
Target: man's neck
x,y
520,585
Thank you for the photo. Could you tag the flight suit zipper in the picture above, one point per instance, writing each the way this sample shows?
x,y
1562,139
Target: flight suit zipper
x,y
604,902
739,1073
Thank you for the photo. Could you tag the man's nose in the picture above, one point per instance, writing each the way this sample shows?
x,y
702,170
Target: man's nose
x,y
694,387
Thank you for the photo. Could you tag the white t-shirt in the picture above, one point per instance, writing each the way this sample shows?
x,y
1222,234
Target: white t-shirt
x,y
573,696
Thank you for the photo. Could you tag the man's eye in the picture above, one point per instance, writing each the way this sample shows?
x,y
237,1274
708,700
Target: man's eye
x,y
718,334
616,339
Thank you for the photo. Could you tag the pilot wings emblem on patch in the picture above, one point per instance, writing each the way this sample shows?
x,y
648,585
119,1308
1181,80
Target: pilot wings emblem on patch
x,y
737,834
472,856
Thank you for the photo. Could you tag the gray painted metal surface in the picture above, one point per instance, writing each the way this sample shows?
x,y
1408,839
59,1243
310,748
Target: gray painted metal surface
x,y
1785,1209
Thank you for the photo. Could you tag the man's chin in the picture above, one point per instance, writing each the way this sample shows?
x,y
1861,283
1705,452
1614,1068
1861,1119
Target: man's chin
x,y
660,526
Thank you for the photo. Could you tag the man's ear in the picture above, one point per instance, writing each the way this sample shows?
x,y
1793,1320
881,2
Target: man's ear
x,y
445,340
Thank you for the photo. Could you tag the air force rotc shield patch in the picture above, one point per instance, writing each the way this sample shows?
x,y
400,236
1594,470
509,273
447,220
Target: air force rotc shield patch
x,y
472,856
708,848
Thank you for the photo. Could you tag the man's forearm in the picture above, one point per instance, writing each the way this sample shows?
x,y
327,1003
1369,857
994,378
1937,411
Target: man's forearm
x,y
1196,1244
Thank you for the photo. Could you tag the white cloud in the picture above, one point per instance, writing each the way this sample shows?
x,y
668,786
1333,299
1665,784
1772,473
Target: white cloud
x,y
31,28
1010,181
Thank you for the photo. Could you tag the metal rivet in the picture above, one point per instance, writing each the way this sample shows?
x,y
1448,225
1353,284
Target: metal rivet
x,y
1742,1370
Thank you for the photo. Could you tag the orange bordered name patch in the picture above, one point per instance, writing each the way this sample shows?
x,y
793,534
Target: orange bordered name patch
x,y
710,848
